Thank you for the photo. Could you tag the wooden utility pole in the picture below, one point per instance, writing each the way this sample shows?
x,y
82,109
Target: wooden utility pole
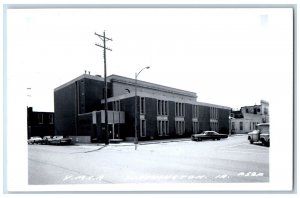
x,y
104,39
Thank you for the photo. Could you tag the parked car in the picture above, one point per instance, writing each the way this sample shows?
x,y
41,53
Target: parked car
x,y
46,139
208,135
60,140
35,140
262,134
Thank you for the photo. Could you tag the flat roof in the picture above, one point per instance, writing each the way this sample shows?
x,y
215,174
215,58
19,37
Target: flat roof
x,y
88,76
143,94
126,80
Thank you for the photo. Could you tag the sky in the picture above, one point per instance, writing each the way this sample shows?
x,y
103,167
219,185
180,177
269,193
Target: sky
x,y
230,57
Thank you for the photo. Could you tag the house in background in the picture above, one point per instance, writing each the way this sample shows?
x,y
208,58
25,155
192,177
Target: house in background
x,y
246,119
39,123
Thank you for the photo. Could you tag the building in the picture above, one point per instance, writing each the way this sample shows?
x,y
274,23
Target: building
x,y
246,119
39,123
162,112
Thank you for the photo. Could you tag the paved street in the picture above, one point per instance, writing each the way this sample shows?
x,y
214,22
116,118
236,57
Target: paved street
x,y
228,160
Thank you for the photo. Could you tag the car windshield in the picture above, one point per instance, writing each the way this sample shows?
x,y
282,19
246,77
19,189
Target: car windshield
x,y
263,128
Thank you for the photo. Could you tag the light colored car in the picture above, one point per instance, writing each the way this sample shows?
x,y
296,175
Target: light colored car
x,y
46,139
35,140
262,134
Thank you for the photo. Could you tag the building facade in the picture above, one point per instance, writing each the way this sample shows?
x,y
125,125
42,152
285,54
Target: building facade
x,y
39,123
162,112
246,119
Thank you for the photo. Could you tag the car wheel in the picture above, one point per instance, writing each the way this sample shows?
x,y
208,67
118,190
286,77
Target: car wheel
x,y
218,139
199,139
251,141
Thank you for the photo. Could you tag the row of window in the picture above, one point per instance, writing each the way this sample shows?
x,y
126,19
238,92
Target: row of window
x,y
163,108
163,127
195,111
214,113
252,126
41,118
179,109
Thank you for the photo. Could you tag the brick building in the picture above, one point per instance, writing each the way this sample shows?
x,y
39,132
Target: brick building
x,y
39,123
163,112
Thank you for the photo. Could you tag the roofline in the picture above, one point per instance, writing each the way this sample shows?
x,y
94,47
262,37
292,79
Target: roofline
x,y
131,81
143,94
79,78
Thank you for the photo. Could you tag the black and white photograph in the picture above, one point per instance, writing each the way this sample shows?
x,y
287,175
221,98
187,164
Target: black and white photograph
x,y
149,98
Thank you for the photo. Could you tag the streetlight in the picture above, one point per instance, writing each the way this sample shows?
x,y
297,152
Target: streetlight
x,y
135,107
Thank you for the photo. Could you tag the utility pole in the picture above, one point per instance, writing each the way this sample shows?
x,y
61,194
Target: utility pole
x,y
104,39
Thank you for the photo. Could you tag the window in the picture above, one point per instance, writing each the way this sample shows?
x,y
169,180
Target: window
x,y
195,127
213,113
51,120
165,109
158,107
195,111
116,105
163,127
142,105
40,118
162,107
214,125
179,125
241,126
179,109
143,128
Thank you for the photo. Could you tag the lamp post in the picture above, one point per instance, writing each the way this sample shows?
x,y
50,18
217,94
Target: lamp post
x,y
135,107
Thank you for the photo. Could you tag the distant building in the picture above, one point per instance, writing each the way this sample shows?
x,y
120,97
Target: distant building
x,y
246,119
162,112
39,123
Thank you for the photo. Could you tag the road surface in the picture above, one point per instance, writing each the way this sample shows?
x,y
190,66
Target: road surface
x,y
229,160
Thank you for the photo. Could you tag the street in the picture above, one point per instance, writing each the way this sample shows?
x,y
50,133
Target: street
x,y
230,160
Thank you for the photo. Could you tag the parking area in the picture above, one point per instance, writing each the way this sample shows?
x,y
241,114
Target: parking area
x,y
228,160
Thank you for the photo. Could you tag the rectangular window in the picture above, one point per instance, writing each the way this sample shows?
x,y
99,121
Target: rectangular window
x,y
142,104
163,127
195,127
195,111
143,128
51,120
40,118
241,126
167,127
159,107
159,128
180,127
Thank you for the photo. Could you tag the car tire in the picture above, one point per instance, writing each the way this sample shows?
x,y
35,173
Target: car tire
x,y
199,139
251,141
218,139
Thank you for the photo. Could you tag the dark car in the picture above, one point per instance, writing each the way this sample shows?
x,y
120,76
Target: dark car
x,y
208,135
60,140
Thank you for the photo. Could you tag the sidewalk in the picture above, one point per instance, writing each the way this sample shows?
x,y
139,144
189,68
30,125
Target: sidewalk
x,y
147,142
127,143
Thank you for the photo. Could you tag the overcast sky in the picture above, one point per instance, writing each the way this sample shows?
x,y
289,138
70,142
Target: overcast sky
x,y
229,57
